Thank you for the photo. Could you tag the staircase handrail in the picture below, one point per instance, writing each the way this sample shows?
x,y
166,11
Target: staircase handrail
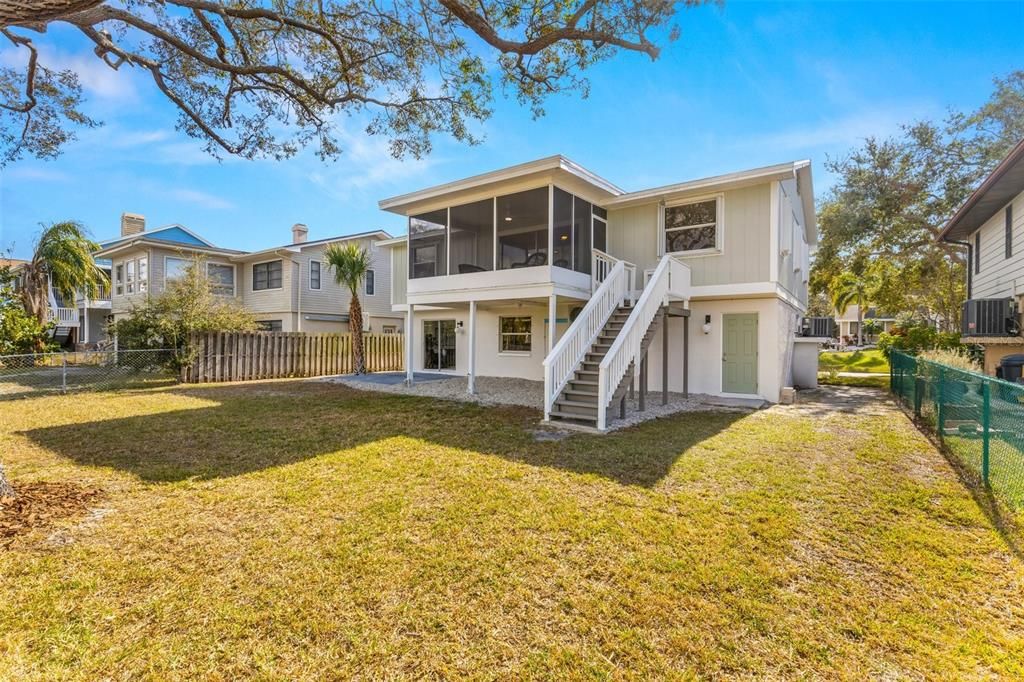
x,y
565,357
627,347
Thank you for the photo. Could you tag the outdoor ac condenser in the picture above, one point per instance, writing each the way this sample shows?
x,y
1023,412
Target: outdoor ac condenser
x,y
990,317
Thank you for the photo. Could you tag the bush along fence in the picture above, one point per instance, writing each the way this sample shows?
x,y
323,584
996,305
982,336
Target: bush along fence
x,y
978,418
242,356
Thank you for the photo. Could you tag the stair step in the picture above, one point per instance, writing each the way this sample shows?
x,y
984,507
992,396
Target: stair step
x,y
574,408
582,418
578,395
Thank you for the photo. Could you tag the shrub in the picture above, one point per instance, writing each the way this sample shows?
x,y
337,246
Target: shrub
x,y
918,338
955,358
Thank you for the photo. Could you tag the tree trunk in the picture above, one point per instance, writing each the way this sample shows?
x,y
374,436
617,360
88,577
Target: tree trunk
x,y
355,325
860,322
5,488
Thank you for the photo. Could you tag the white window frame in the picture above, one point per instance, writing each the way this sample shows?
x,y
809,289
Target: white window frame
x,y
719,247
319,275
502,335
129,276
119,279
389,329
169,258
142,264
234,276
366,283
252,276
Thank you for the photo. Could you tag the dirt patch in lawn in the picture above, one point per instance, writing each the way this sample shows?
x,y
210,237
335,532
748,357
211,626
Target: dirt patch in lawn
x,y
40,506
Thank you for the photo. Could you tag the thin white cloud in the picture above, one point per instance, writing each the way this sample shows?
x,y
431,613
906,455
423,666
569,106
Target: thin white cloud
x,y
199,198
96,77
35,174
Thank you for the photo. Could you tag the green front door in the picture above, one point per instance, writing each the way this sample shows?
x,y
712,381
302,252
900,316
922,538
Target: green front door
x,y
739,353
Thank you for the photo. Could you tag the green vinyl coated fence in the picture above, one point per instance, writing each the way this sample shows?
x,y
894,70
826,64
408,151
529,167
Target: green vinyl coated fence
x,y
979,418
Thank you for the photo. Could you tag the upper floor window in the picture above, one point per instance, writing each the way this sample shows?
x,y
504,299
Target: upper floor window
x,y
977,253
222,278
314,274
269,325
119,279
174,269
369,283
143,274
693,227
130,277
1009,231
266,276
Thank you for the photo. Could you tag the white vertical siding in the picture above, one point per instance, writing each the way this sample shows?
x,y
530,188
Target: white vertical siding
x,y
1000,276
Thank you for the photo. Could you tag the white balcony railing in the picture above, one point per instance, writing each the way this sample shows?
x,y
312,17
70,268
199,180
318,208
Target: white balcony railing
x,y
671,279
64,317
601,265
565,357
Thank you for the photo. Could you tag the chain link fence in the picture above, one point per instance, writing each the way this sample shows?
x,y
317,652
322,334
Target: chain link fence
x,y
978,418
23,375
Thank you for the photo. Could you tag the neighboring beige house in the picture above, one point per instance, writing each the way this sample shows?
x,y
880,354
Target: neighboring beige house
x,y
531,272
847,323
288,287
991,225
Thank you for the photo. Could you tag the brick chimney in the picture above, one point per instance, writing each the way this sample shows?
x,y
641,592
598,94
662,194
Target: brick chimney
x,y
132,223
299,232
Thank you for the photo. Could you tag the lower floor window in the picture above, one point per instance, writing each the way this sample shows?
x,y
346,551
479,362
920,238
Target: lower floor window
x,y
516,334
269,325
390,329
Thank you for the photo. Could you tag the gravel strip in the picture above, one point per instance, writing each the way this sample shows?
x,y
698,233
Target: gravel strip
x,y
505,391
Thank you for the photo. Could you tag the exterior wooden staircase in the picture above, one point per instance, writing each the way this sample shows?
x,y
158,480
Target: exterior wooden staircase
x,y
578,401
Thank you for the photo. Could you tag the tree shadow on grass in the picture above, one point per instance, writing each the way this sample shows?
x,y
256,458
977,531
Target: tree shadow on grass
x,y
258,426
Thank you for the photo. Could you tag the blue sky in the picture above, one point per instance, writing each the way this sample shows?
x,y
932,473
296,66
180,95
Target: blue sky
x,y
750,84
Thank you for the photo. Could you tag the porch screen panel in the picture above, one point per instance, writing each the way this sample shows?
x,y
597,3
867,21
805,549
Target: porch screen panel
x,y
428,255
523,229
562,226
472,237
581,235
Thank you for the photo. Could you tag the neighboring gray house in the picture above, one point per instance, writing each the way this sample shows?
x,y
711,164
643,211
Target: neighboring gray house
x,y
991,225
287,287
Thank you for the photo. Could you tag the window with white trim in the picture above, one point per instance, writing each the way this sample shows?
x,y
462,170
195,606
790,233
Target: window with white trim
x,y
516,334
369,288
174,269
143,274
222,278
269,325
119,280
693,227
314,275
266,276
130,278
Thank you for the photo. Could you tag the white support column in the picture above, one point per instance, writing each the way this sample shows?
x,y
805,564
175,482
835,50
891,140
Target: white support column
x,y
85,323
471,383
552,321
410,326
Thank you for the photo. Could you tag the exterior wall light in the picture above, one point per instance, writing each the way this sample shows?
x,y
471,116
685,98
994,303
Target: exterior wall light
x,y
707,324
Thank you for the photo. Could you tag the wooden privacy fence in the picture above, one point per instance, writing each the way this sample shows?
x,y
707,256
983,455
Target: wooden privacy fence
x,y
243,356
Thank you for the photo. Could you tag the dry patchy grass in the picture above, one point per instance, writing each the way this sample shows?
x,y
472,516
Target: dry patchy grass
x,y
302,530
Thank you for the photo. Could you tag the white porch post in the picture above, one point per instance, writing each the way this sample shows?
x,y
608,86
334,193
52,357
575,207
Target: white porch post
x,y
409,335
471,384
85,323
552,321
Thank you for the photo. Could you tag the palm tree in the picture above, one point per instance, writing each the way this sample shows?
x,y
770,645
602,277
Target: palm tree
x,y
62,259
350,262
847,289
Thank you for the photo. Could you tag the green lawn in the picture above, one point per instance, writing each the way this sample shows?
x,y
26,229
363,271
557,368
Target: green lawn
x,y
881,381
287,530
872,360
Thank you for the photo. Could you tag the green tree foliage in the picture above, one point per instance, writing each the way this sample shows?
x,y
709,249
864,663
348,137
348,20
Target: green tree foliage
x,y
188,305
350,263
20,332
264,79
62,258
893,196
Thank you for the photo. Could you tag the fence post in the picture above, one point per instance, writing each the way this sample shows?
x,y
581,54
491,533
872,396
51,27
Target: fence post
x,y
63,372
986,392
940,404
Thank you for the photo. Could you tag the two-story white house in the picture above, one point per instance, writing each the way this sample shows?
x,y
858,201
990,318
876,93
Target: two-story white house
x,y
991,225
288,287
546,271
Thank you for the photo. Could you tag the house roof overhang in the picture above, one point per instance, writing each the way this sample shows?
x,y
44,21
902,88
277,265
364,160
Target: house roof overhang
x,y
294,248
129,244
557,165
994,192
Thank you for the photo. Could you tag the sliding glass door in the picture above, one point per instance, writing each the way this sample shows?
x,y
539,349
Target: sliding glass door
x,y
438,344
